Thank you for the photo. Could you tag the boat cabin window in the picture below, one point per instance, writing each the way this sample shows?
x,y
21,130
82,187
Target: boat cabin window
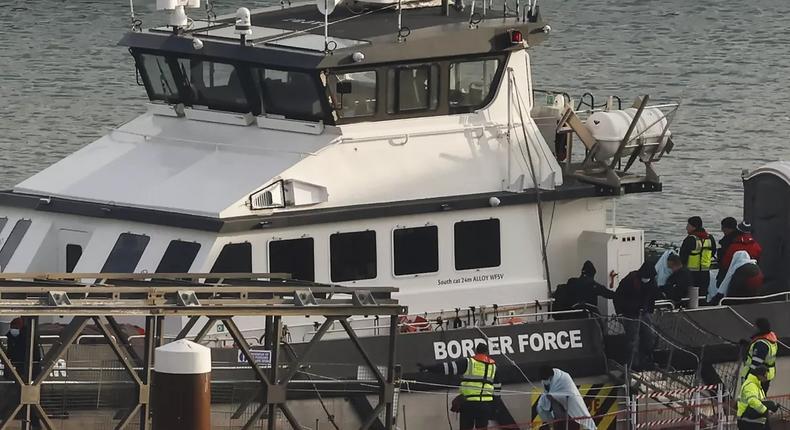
x,y
214,85
412,88
12,241
353,94
126,253
471,83
234,258
178,257
352,256
73,254
291,94
158,78
416,250
477,244
294,256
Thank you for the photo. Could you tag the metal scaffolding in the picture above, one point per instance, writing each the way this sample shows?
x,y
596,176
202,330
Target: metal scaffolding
x,y
101,298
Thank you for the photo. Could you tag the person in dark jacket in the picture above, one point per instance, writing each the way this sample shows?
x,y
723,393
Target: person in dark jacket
x,y
583,292
696,253
729,229
635,300
741,241
679,282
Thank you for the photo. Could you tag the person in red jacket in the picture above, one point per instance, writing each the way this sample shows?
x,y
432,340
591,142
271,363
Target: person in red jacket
x,y
743,241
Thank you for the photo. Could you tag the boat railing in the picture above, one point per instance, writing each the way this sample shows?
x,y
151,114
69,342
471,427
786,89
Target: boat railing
x,y
766,298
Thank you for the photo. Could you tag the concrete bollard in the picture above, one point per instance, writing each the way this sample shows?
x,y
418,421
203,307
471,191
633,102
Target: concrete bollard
x,y
181,391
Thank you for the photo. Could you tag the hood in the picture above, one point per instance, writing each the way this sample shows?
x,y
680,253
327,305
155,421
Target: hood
x,y
743,238
770,337
589,269
701,233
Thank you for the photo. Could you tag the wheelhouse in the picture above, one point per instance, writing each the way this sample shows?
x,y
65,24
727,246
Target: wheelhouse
x,y
361,75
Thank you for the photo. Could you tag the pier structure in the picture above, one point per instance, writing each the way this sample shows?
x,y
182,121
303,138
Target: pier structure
x,y
203,299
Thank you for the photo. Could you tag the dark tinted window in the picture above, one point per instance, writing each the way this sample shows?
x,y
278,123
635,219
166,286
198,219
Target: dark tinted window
x,y
416,250
294,256
3,222
126,253
178,257
12,242
234,258
160,82
288,93
412,88
73,254
352,256
477,244
213,84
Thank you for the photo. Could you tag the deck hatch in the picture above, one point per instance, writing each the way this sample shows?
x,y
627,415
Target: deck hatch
x,y
12,242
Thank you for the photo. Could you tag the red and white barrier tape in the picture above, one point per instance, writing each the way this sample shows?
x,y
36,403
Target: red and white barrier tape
x,y
677,392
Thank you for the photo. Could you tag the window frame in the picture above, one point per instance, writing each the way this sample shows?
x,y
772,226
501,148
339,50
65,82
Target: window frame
x,y
375,256
398,69
316,83
455,241
13,240
393,251
330,102
285,239
492,90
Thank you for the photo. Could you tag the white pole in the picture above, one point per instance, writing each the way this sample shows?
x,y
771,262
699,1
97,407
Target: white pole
x,y
509,125
326,25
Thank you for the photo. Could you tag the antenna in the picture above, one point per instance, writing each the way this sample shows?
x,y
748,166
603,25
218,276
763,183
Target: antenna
x,y
243,24
178,18
326,7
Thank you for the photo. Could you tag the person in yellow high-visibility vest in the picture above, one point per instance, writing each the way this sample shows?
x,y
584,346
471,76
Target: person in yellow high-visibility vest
x,y
762,351
752,405
696,253
476,399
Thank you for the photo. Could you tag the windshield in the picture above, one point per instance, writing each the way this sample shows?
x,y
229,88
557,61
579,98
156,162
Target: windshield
x,y
288,93
234,87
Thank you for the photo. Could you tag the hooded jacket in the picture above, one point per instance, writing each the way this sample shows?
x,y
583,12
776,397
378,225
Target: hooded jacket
x,y
741,242
634,295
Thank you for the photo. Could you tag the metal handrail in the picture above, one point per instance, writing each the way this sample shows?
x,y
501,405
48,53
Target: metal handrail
x,y
786,295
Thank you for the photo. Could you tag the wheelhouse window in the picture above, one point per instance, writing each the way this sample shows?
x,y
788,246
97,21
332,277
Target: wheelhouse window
x,y
416,250
412,88
158,77
291,94
471,83
214,85
353,94
12,242
234,258
294,256
126,253
352,256
178,257
477,244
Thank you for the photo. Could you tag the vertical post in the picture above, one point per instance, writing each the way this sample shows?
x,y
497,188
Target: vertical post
x,y
509,125
720,406
149,346
275,333
388,394
31,324
182,387
695,404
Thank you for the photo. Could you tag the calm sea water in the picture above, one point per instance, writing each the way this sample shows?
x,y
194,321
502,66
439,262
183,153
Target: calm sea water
x,y
64,82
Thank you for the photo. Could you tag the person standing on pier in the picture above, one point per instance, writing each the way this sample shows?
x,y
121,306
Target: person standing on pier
x,y
697,253
476,400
